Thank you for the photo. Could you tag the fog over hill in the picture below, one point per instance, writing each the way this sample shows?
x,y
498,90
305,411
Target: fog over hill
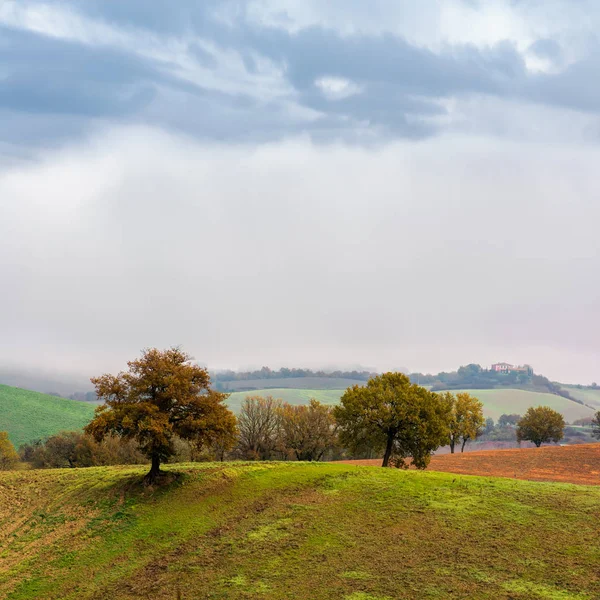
x,y
275,183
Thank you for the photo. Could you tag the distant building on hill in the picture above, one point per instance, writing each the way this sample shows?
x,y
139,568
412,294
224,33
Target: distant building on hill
x,y
503,367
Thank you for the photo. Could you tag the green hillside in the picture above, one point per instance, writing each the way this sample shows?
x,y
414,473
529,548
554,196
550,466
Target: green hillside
x,y
295,531
28,415
310,383
293,396
506,401
496,402
589,396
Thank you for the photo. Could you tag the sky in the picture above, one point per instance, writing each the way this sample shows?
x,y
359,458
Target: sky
x,y
387,184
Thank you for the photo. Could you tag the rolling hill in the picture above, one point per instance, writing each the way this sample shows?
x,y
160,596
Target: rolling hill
x,y
495,402
28,415
587,395
294,531
506,401
302,383
293,396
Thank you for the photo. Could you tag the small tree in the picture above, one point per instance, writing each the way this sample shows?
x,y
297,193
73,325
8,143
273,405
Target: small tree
x,y
509,420
392,415
308,431
541,425
259,427
489,426
467,421
473,421
76,449
8,455
161,396
596,426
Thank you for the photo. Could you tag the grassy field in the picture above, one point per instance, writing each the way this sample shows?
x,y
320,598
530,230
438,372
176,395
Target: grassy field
x,y
295,531
589,396
310,383
507,401
293,396
30,415
495,402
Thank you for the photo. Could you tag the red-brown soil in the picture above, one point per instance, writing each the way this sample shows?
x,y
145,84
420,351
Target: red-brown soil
x,y
568,464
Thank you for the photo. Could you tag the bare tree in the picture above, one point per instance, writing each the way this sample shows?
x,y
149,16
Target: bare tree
x,y
308,431
259,426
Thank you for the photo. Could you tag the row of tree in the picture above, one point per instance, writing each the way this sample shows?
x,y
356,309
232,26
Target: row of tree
x,y
163,407
284,373
474,376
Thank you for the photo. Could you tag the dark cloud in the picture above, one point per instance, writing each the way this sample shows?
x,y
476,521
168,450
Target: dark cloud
x,y
46,75
399,89
163,16
389,59
575,87
546,48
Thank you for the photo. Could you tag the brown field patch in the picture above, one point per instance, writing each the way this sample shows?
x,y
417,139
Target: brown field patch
x,y
567,464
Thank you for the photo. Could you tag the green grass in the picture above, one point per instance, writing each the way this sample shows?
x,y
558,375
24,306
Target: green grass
x,y
589,396
311,383
495,402
508,401
30,415
293,396
294,531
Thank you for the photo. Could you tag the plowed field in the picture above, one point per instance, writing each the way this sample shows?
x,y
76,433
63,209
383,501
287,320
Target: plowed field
x,y
568,464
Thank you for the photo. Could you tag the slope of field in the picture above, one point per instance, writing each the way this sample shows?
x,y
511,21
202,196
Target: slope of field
x,y
293,396
506,401
28,416
309,383
589,396
294,531
568,464
495,402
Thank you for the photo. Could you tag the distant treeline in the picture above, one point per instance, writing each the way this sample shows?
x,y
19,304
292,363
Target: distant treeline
x,y
475,377
266,373
472,376
83,396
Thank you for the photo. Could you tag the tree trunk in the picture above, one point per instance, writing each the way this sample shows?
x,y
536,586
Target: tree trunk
x,y
452,442
388,450
154,472
537,444
464,444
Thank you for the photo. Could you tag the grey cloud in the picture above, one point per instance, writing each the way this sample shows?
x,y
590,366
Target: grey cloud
x,y
44,75
162,16
573,88
547,48
403,87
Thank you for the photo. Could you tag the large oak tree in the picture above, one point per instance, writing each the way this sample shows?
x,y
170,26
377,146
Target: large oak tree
x,y
392,415
161,396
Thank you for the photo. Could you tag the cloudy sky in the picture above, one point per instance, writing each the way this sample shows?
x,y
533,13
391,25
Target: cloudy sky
x,y
301,183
